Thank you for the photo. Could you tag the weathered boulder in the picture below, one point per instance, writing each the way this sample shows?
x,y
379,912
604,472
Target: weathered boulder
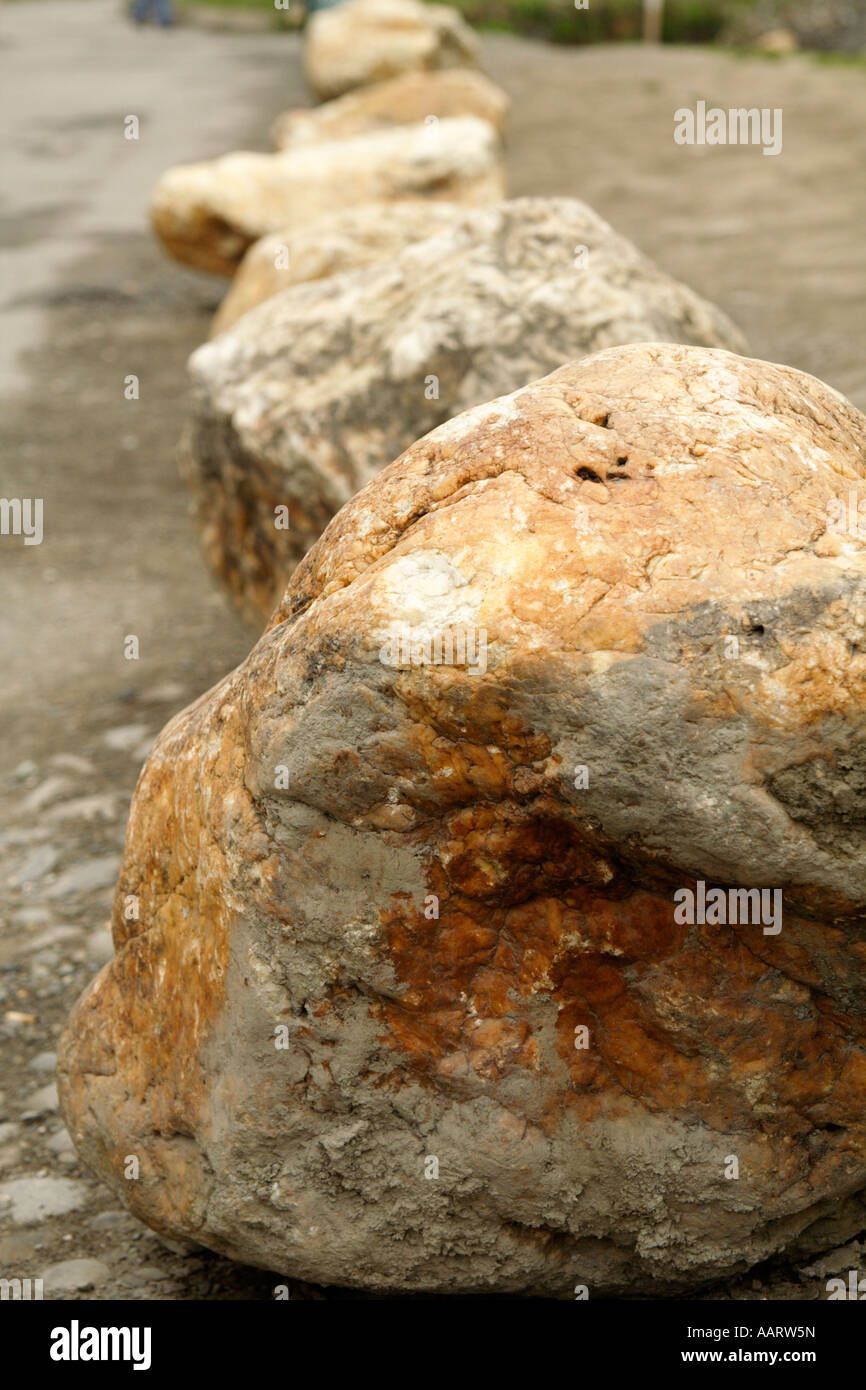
x,y
341,241
366,41
404,100
207,215
411,999
311,394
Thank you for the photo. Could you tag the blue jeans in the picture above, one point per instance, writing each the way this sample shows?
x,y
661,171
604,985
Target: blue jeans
x,y
142,8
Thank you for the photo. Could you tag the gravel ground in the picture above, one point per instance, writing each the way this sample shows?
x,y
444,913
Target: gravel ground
x,y
88,300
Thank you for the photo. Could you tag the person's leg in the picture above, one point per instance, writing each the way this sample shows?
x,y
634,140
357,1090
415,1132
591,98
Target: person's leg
x,y
164,12
141,9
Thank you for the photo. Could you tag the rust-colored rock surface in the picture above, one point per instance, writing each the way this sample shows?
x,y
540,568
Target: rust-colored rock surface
x,y
342,241
312,393
411,999
404,100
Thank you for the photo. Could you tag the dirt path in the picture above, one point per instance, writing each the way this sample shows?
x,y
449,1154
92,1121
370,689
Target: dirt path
x,y
89,300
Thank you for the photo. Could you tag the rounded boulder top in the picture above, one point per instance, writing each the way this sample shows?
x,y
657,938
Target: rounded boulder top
x,y
511,893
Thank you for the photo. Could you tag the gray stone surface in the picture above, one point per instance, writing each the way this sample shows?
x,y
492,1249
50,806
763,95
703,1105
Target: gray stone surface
x,y
311,394
74,1276
28,1201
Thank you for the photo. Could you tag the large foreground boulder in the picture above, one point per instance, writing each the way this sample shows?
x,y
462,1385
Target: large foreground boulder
x,y
311,394
341,241
366,41
428,984
405,100
207,215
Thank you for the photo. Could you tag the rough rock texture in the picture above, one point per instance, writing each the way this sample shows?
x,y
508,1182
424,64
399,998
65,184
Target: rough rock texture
x,y
341,241
610,529
366,41
313,393
415,96
207,215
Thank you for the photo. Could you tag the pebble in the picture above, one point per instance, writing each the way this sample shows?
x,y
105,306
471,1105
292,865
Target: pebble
x,y
72,762
25,769
101,806
55,936
29,1201
87,876
150,1272
169,692
42,1102
71,1275
52,789
19,1246
177,1247
39,862
43,1061
7,1132
31,916
24,836
845,1257
126,737
109,1220
60,1143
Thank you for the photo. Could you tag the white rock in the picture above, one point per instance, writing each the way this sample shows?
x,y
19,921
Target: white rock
x,y
346,240
60,1143
72,762
403,100
86,877
32,1200
39,862
100,806
54,936
42,1102
365,41
208,214
126,737
71,1276
312,393
43,1061
52,789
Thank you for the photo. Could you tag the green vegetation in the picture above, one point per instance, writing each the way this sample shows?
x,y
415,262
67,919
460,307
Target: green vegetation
x,y
685,21
605,21
558,21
